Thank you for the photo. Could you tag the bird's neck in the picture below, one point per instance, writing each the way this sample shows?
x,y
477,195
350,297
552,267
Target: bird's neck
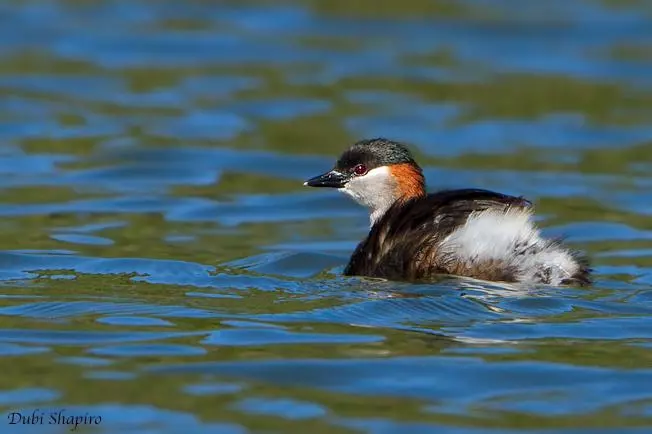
x,y
409,183
377,213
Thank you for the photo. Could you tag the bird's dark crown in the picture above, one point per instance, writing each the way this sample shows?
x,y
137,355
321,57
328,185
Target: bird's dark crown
x,y
374,153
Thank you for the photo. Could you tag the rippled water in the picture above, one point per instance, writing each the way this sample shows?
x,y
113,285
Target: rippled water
x,y
163,267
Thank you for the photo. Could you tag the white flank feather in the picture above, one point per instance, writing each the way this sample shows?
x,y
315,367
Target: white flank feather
x,y
510,238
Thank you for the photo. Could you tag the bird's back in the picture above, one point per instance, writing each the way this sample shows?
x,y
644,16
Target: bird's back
x,y
470,232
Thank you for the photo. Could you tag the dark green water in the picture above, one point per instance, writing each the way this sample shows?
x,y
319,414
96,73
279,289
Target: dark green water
x,y
163,268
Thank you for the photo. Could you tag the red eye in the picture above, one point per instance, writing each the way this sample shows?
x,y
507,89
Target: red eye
x,y
360,169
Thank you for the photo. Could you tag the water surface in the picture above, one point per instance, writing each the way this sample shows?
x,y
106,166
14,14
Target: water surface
x,y
163,267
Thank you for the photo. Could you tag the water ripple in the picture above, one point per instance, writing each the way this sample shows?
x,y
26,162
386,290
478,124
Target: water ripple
x,y
163,267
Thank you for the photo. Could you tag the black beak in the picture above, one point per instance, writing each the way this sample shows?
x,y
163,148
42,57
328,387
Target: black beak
x,y
332,179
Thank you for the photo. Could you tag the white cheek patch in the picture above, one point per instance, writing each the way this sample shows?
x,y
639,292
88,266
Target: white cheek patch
x,y
366,189
375,191
382,172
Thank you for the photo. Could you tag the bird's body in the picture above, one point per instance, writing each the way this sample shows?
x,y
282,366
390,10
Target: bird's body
x,y
473,233
416,236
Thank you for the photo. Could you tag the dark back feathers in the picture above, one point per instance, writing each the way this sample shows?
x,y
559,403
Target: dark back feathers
x,y
401,245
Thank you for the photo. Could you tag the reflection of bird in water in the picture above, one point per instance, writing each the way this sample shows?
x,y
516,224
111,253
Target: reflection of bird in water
x,y
469,232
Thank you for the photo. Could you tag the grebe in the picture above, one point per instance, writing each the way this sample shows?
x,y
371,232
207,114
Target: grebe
x,y
468,232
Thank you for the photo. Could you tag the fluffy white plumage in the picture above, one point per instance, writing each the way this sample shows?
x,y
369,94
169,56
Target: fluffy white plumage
x,y
512,239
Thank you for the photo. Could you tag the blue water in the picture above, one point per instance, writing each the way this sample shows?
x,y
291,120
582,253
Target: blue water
x,y
163,268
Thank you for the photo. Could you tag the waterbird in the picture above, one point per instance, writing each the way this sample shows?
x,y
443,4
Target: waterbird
x,y
470,232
